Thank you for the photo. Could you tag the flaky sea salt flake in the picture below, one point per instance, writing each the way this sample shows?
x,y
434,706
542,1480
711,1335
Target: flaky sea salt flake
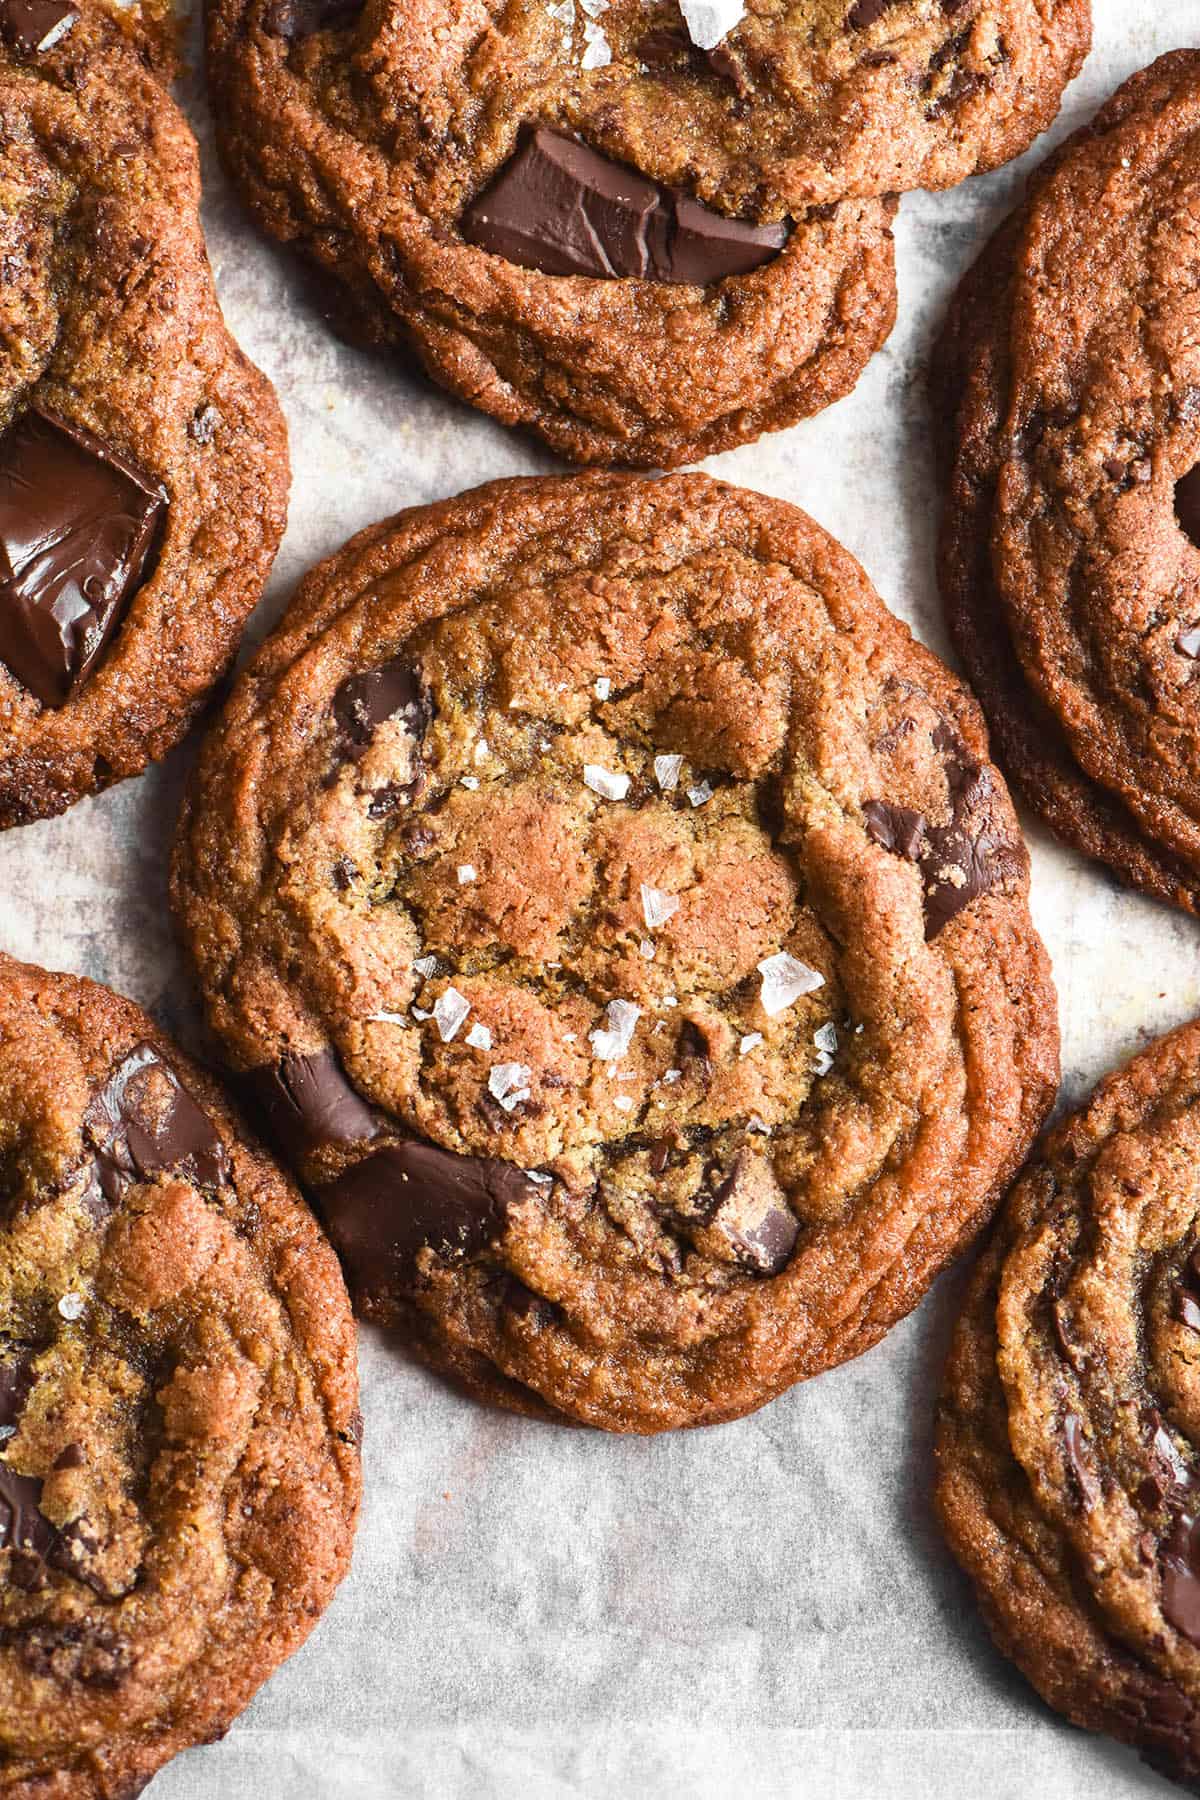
x,y
603,782
603,687
666,772
646,949
597,52
72,1306
610,1045
784,980
750,1042
469,781
710,21
673,1075
466,873
479,1037
623,1103
700,794
658,906
509,1084
426,966
449,1012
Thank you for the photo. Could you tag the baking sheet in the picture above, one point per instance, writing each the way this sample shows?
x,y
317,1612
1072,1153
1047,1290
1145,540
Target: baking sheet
x,y
759,1609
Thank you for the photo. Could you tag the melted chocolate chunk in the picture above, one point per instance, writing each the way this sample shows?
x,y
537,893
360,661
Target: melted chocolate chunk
x,y
308,1101
292,19
1181,1577
866,12
1075,1441
33,25
77,525
365,702
561,208
414,1196
143,1121
1187,1295
961,860
1187,507
750,1213
22,1524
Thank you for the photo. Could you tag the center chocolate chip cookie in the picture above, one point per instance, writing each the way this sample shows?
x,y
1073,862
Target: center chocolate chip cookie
x,y
1067,389
647,230
617,919
179,1463
143,462
1069,1426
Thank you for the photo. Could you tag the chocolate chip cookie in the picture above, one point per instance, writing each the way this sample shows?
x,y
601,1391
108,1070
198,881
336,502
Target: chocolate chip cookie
x,y
143,461
646,229
1068,1472
619,924
1067,387
179,1464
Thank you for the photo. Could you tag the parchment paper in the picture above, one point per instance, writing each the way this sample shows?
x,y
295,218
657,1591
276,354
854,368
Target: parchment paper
x,y
756,1610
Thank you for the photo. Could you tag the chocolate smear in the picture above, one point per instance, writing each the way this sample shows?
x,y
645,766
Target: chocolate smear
x,y
293,19
23,1527
365,702
1187,504
560,207
414,1196
77,525
307,1101
959,861
1181,1577
31,26
749,1219
144,1121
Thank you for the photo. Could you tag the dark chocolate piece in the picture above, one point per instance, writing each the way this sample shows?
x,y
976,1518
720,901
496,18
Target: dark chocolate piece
x,y
33,25
22,1524
143,1120
866,12
750,1212
1181,1577
307,1101
559,207
364,702
414,1196
1075,1442
959,861
292,19
1187,504
77,525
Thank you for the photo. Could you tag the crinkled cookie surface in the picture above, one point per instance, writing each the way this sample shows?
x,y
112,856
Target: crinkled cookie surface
x,y
179,1463
143,461
616,916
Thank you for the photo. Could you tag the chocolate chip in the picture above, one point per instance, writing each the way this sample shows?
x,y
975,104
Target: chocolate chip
x,y
72,1457
750,1213
1181,1577
559,207
413,1196
144,1121
867,12
959,861
33,25
726,67
660,1155
692,1046
1075,1442
77,525
365,702
16,1380
292,19
513,1295
307,1101
1187,506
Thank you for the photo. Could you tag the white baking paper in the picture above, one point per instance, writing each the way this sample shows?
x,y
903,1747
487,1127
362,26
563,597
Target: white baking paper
x,y
758,1610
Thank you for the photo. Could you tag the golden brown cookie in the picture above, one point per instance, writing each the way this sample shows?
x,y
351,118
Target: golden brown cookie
x,y
143,461
1067,389
179,1464
617,918
1068,1481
